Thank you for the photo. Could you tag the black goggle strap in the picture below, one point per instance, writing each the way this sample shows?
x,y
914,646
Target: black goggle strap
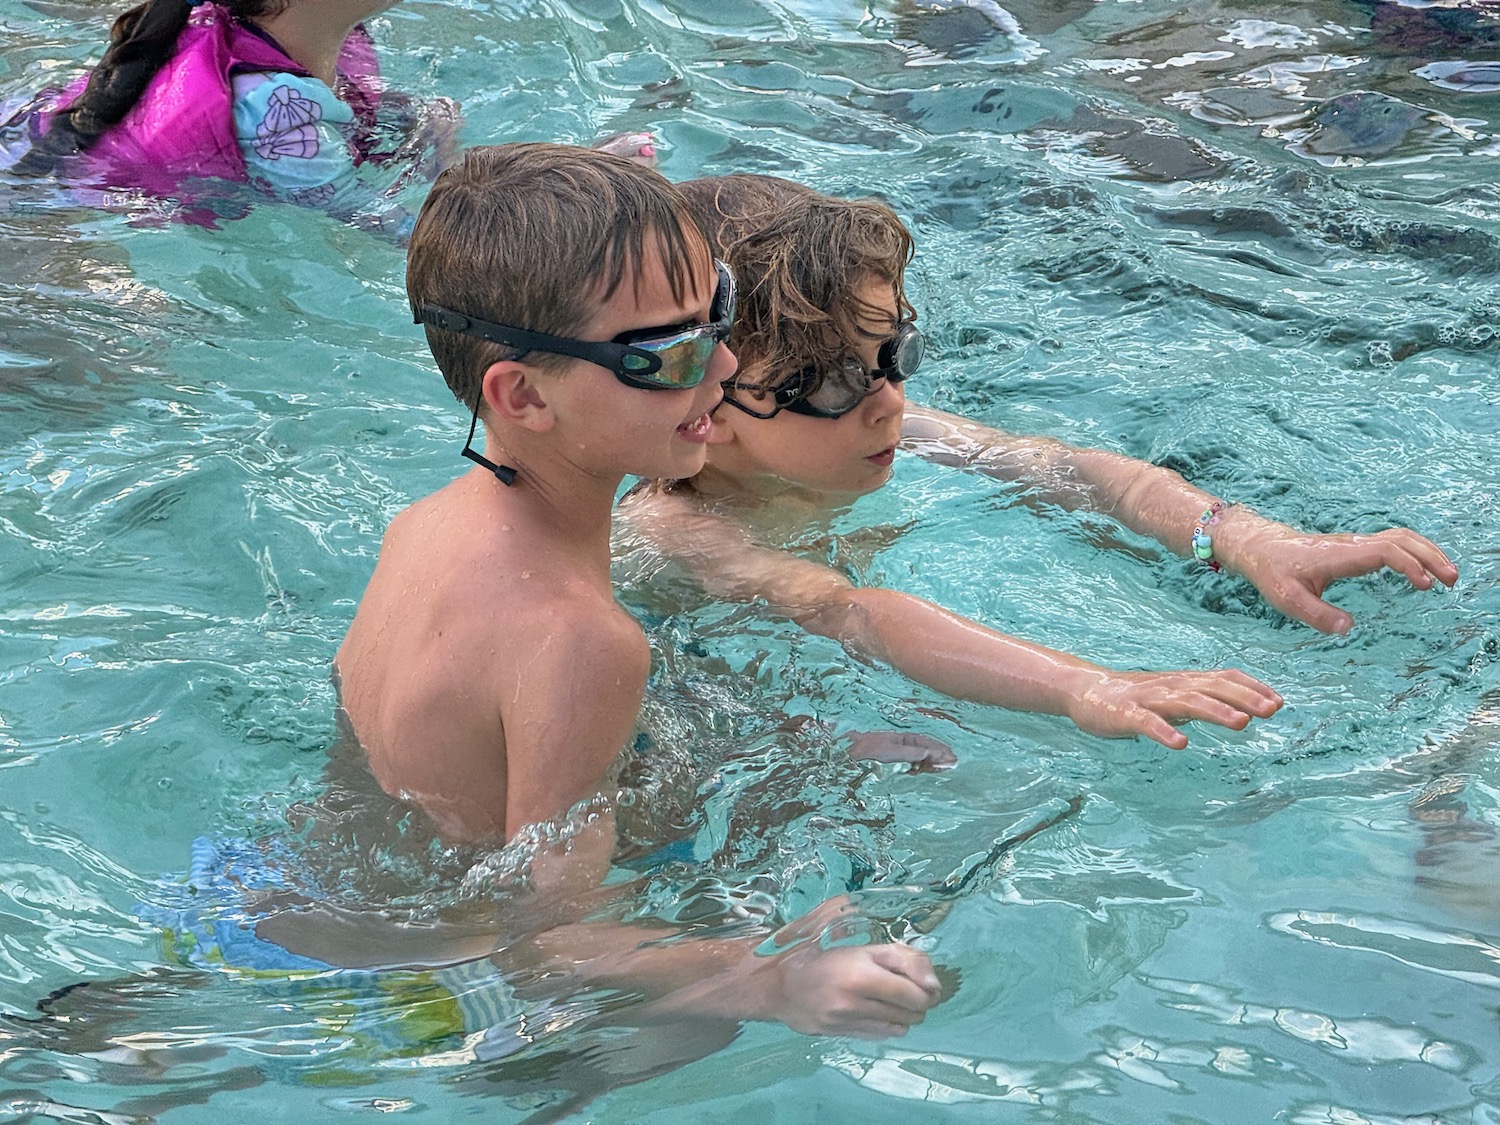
x,y
730,388
795,388
783,395
505,474
619,358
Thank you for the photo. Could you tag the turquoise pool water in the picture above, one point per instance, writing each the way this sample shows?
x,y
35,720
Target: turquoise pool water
x,y
1260,250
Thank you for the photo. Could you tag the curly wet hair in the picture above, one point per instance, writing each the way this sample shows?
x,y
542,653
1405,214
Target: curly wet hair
x,y
800,256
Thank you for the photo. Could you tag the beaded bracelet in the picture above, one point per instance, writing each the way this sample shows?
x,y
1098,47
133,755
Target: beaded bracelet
x,y
1203,542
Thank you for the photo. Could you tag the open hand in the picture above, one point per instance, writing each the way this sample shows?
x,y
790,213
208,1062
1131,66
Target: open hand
x,y
1125,704
1292,569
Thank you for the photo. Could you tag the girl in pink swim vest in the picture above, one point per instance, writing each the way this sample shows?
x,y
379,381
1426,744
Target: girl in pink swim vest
x,y
281,94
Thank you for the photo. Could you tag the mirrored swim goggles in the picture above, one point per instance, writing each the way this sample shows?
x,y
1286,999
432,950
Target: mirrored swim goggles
x,y
832,394
651,359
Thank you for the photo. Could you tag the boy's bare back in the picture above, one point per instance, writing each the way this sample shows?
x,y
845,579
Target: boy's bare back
x,y
472,640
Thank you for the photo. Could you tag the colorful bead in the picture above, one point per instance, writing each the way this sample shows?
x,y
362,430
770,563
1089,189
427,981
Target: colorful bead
x,y
1203,542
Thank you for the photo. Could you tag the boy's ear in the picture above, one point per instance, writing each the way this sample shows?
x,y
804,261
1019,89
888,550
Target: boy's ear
x,y
515,396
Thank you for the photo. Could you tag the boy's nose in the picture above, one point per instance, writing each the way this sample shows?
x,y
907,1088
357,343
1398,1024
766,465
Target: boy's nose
x,y
887,399
722,364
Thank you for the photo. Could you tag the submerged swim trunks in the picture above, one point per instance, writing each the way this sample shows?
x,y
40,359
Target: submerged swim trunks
x,y
467,1012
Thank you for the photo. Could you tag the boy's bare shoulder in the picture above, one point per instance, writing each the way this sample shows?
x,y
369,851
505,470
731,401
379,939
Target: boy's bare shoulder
x,y
464,591
449,545
462,579
665,510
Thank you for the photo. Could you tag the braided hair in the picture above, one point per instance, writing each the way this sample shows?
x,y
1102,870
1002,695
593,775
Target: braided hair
x,y
140,43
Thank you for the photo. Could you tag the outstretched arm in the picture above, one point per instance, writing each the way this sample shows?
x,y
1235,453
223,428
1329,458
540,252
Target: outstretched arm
x,y
567,713
1290,568
868,991
939,648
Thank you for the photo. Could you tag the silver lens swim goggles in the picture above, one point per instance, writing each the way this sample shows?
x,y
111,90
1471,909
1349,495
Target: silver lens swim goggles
x,y
651,359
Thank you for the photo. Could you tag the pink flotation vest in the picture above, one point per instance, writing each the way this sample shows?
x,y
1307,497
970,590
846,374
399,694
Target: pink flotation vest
x,y
183,126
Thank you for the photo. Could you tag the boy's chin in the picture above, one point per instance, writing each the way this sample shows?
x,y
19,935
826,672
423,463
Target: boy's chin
x,y
845,491
688,463
879,477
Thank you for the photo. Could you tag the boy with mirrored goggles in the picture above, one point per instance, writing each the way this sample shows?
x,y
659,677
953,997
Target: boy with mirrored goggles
x,y
666,358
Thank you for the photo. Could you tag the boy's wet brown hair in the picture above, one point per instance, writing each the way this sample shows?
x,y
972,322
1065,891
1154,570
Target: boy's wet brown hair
x,y
539,236
799,257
